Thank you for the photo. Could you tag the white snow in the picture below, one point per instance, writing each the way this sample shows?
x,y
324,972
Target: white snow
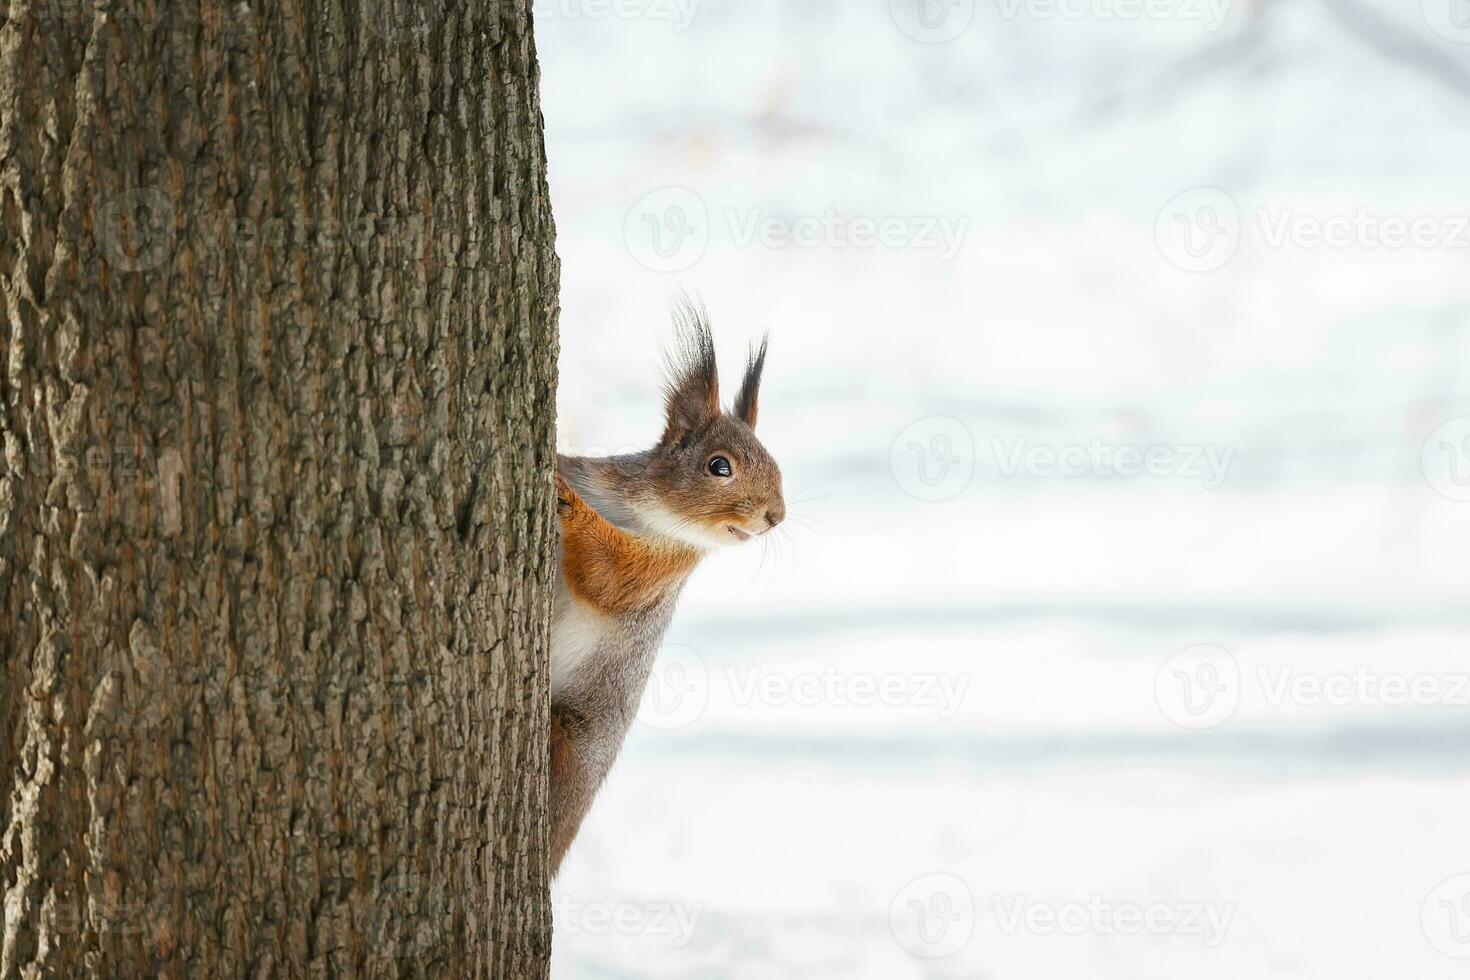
x,y
979,687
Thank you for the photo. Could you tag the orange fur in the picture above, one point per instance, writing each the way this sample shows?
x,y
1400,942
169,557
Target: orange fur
x,y
610,569
564,764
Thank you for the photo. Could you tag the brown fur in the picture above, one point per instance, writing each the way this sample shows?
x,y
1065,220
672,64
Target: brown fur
x,y
747,401
610,569
570,797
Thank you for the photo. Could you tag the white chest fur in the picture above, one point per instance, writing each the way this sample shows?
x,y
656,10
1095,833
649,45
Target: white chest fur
x,y
576,632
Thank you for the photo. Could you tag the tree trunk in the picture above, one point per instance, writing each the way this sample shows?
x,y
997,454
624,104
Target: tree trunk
x,y
278,303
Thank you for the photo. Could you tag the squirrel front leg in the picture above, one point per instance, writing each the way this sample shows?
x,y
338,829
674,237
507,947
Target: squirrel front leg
x,y
582,752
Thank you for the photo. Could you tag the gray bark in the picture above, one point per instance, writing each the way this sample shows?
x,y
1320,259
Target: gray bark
x,y
278,304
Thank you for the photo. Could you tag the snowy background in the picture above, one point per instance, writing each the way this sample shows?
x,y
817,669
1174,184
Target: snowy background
x,y
1120,375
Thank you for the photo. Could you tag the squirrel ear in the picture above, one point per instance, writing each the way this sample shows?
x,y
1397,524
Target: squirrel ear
x,y
750,388
692,394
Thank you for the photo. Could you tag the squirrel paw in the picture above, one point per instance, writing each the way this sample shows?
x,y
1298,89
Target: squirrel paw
x,y
567,499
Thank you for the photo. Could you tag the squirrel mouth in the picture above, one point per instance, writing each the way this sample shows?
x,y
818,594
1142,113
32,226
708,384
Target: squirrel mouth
x,y
739,534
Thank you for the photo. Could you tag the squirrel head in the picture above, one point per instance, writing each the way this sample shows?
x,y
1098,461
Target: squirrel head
x,y
712,482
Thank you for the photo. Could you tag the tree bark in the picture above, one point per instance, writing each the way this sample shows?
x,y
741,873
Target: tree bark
x,y
278,304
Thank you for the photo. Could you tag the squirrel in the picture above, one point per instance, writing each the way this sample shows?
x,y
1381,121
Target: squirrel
x,y
632,529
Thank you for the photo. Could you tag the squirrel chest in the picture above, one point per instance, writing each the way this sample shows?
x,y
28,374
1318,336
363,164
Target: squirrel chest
x,y
614,598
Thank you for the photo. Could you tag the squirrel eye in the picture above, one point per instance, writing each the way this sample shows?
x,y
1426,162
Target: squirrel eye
x,y
719,466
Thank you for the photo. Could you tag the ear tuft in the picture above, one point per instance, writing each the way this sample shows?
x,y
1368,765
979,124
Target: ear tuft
x,y
746,403
692,392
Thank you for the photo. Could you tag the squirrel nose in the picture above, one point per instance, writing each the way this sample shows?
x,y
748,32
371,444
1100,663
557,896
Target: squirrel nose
x,y
775,514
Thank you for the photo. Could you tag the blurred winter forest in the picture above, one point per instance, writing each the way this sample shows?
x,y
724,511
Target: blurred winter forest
x,y
1120,375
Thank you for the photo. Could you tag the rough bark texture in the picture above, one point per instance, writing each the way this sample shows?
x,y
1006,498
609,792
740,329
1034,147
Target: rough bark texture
x,y
278,301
